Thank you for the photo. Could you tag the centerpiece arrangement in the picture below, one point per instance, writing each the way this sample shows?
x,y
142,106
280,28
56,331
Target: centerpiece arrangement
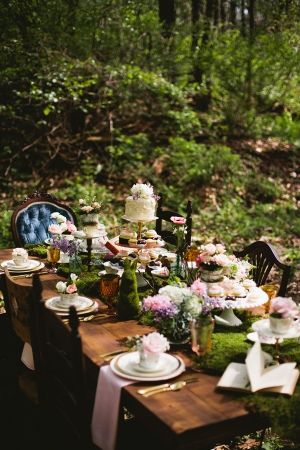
x,y
282,314
89,210
62,226
212,262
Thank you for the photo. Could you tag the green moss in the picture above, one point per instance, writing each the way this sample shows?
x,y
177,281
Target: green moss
x,y
39,250
128,305
88,283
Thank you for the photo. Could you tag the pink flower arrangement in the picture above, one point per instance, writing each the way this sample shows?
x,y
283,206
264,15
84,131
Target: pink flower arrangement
x,y
199,288
159,305
71,289
71,228
54,228
155,343
213,255
283,307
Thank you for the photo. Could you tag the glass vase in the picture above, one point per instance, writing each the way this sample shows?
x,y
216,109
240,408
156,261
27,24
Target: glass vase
x,y
201,334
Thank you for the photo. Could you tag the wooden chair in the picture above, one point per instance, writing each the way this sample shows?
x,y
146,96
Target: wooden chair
x,y
61,372
18,312
263,257
164,215
31,218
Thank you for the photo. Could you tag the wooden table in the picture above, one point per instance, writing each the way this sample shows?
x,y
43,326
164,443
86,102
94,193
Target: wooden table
x,y
196,417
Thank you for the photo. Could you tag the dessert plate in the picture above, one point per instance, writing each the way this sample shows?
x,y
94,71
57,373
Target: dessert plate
x,y
81,304
263,328
33,265
13,266
126,366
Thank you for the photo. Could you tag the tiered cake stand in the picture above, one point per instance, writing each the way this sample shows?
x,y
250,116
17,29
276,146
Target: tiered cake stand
x,y
140,223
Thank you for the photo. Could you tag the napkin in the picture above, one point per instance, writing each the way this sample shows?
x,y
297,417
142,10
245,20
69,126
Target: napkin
x,y
106,408
27,356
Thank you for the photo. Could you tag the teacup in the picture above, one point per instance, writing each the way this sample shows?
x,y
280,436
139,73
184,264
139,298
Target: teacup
x,y
148,361
68,299
281,325
20,260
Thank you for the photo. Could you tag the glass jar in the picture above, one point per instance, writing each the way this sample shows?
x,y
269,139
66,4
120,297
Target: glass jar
x,y
201,334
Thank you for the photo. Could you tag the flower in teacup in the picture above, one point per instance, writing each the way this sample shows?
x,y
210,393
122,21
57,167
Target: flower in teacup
x,y
283,307
54,228
209,249
20,252
61,287
199,288
71,289
155,343
178,220
221,260
220,248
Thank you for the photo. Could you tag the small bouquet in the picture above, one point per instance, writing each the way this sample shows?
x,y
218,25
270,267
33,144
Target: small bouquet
x,y
68,289
62,225
66,246
150,347
213,257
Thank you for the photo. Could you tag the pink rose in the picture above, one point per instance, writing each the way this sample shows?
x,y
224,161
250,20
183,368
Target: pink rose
x,y
71,227
286,307
178,220
54,228
155,343
199,288
71,289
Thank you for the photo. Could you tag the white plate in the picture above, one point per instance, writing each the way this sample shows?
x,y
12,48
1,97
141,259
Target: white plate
x,y
173,366
12,266
33,266
263,327
84,312
81,304
255,337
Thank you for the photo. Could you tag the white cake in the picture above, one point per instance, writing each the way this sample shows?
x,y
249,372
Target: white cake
x,y
141,205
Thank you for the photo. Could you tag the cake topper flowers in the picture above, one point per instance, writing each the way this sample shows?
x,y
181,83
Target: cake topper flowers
x,y
140,190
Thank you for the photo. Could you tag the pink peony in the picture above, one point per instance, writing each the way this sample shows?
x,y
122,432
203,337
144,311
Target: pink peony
x,y
199,288
157,303
155,343
71,289
54,228
178,220
284,306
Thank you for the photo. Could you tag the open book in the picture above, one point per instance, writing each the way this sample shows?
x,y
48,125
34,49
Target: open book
x,y
254,376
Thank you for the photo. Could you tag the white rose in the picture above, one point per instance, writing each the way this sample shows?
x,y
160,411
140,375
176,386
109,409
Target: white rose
x,y
87,209
61,219
61,287
193,305
20,252
81,201
175,293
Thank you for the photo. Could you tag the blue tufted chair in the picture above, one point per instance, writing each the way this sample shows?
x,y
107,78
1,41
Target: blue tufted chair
x,y
30,220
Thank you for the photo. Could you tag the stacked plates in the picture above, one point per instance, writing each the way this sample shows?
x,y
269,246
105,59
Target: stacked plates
x,y
127,366
83,305
31,265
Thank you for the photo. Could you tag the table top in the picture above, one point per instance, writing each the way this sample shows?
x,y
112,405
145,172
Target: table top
x,y
182,419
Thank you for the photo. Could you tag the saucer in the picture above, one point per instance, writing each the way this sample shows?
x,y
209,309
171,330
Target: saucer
x,y
127,366
81,303
32,266
255,337
263,327
12,265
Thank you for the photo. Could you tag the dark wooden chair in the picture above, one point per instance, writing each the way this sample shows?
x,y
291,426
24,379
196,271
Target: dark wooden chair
x,y
31,218
18,312
263,257
61,373
164,215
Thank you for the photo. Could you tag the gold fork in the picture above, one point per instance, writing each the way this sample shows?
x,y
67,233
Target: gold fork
x,y
172,387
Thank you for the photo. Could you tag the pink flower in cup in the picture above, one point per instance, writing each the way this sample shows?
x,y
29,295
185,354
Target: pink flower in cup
x,y
54,228
71,289
178,220
155,343
283,306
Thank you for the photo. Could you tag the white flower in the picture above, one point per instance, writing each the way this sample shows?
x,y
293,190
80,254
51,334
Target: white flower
x,y
20,252
175,293
210,249
140,190
193,305
58,217
73,277
63,227
61,287
81,201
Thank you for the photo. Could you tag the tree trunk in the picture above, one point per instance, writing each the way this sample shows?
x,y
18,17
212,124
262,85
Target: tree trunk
x,y
167,16
243,18
233,12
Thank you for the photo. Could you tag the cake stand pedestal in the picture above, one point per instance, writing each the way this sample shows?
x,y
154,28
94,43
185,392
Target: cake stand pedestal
x,y
89,242
139,223
228,318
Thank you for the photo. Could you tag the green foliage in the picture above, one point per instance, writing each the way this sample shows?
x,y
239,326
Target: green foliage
x,y
5,230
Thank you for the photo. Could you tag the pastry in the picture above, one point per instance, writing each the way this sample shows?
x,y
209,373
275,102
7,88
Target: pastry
x,y
215,290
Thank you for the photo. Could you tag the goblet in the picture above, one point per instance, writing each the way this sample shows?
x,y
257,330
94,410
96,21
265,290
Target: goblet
x,y
271,290
109,288
201,336
53,255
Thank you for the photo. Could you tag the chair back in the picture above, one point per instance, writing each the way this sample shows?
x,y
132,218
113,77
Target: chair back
x,y
164,215
61,374
18,305
31,219
263,257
